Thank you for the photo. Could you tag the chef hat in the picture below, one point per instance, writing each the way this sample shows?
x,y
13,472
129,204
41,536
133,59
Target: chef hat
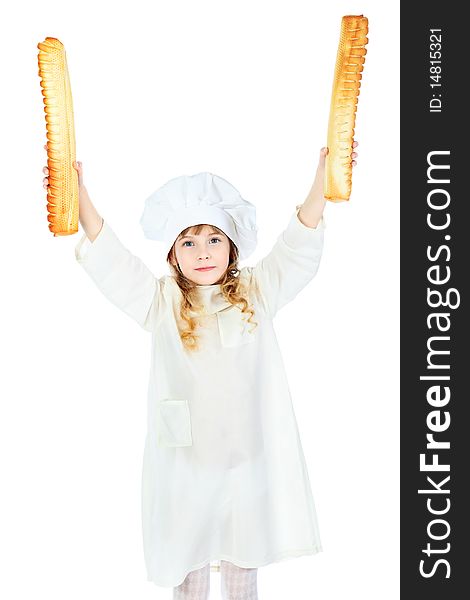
x,y
202,198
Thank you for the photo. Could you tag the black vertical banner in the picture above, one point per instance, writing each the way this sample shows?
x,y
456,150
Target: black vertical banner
x,y
435,269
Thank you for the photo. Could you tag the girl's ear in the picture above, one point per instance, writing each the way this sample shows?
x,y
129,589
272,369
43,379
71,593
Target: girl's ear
x,y
172,257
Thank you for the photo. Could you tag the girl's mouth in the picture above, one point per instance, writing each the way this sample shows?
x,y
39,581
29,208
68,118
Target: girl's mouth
x,y
205,268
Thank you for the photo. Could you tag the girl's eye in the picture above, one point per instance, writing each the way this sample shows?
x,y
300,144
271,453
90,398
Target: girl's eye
x,y
190,242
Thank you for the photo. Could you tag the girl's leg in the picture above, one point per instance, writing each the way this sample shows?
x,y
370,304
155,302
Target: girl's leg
x,y
238,583
195,587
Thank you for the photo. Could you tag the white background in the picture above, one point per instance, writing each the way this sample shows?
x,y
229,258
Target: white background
x,y
161,89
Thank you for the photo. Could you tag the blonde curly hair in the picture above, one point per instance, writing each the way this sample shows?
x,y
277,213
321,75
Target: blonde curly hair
x,y
233,290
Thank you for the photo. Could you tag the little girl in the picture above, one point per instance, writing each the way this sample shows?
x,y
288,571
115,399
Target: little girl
x,y
224,476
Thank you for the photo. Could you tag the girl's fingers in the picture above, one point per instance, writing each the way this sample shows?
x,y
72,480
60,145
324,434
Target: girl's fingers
x,y
323,153
76,164
354,154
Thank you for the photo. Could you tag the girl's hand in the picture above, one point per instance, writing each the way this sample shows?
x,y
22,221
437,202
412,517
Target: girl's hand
x,y
354,154
312,209
324,152
76,165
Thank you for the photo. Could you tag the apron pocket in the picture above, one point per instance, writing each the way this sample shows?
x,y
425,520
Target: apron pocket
x,y
174,423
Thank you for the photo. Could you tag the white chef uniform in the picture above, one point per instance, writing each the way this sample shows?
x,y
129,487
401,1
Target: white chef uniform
x,y
224,474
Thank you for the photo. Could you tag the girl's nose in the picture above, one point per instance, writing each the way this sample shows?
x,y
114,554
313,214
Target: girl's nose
x,y
204,253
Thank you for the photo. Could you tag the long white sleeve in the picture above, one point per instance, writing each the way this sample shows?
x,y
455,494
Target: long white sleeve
x,y
291,264
122,277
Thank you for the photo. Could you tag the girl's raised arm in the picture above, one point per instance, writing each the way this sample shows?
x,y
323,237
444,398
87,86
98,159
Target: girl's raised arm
x,y
88,216
289,266
122,277
295,257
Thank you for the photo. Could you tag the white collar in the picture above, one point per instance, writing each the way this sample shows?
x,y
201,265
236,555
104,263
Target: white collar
x,y
211,296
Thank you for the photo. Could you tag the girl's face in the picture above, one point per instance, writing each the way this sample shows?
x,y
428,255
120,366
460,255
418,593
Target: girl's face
x,y
206,249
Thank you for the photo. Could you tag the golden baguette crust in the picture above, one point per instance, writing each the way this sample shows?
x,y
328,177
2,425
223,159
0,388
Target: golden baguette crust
x,y
346,83
62,195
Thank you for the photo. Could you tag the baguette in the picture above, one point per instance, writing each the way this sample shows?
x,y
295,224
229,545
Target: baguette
x,y
346,83
62,194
